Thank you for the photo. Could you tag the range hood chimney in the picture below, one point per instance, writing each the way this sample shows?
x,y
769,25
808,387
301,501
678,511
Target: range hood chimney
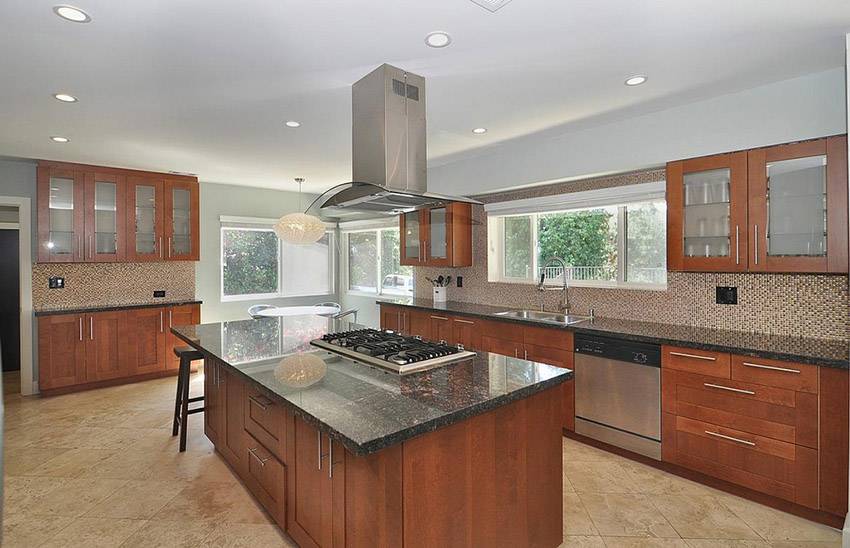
x,y
389,164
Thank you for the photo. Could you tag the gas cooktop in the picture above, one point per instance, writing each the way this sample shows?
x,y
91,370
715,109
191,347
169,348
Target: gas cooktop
x,y
391,350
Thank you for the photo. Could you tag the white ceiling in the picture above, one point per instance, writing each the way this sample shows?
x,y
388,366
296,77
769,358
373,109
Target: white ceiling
x,y
205,87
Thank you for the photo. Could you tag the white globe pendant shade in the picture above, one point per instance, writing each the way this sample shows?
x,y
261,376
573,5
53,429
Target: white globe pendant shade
x,y
299,228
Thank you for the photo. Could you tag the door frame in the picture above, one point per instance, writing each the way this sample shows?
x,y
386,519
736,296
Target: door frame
x,y
24,226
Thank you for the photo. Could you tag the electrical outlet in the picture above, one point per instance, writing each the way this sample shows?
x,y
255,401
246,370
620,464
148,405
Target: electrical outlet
x,y
460,281
56,282
726,295
158,293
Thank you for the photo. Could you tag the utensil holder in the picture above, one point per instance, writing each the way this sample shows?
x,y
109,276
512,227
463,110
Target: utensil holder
x,y
439,294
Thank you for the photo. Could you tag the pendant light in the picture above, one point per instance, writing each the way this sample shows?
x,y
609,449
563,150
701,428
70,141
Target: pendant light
x,y
299,228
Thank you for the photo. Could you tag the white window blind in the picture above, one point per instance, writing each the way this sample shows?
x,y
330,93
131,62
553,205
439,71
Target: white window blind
x,y
602,197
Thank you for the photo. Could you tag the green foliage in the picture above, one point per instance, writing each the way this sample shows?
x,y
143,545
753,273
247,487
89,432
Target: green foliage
x,y
517,246
647,233
250,262
362,258
581,238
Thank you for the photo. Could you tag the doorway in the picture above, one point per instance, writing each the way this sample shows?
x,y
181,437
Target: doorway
x,y
10,301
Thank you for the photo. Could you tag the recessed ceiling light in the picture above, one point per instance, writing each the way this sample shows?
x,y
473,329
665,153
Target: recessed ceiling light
x,y
438,39
479,130
65,98
58,139
70,13
635,80
293,123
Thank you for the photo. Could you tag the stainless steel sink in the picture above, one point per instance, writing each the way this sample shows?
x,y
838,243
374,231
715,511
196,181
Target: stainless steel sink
x,y
548,317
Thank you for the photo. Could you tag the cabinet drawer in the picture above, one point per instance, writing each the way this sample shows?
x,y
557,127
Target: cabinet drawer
x,y
266,478
549,337
703,362
771,466
505,331
767,411
793,376
265,420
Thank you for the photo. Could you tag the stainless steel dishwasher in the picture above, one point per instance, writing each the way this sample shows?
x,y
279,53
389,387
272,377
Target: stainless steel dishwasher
x,y
618,392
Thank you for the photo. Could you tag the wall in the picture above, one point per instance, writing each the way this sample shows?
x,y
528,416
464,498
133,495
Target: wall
x,y
804,305
800,108
217,200
17,178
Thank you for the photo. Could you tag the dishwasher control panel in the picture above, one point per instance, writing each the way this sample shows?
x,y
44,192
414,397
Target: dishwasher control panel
x,y
619,349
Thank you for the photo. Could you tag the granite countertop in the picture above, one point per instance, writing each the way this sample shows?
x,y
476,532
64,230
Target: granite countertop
x,y
826,353
364,407
105,307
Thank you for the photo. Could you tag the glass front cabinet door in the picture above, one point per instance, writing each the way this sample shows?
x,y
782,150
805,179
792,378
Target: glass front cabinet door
x,y
707,213
105,217
61,217
181,222
412,241
798,207
144,219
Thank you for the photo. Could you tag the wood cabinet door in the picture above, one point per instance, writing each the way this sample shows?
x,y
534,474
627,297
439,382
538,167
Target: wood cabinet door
x,y
61,351
144,219
418,323
390,317
184,314
501,346
707,214
467,332
232,406
411,238
448,235
147,345
106,340
181,217
441,328
798,206
212,407
61,214
559,358
105,217
309,501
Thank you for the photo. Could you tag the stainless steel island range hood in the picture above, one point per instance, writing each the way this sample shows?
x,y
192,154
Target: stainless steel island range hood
x,y
388,151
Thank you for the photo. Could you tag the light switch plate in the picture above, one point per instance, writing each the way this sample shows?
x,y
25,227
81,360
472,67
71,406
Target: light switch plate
x,y
726,295
56,282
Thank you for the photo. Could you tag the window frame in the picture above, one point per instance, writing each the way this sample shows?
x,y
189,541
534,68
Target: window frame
x,y
496,249
280,292
345,273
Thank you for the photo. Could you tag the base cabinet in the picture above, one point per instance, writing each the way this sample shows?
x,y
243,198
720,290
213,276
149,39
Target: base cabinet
x,y
61,351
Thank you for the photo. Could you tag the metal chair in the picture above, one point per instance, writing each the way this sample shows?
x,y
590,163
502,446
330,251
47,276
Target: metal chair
x,y
339,313
254,310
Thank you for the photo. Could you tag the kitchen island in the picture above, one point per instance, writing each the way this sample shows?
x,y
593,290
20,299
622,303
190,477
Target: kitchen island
x,y
342,453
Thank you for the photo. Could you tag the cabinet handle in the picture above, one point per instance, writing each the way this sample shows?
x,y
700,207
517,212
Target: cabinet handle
x,y
160,321
81,328
169,246
421,253
756,245
91,328
458,320
80,250
525,354
91,248
516,352
730,438
160,247
330,458
262,461
319,443
770,367
730,389
169,318
439,318
737,248
695,356
262,405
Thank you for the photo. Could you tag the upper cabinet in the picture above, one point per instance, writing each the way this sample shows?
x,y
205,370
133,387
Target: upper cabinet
x,y
773,209
92,214
437,236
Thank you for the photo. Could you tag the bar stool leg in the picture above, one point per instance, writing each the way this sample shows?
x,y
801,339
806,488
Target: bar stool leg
x,y
177,406
185,367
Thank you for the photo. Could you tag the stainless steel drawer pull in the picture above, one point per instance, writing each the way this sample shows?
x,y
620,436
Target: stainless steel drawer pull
x,y
81,328
770,367
737,247
160,321
730,438
319,444
730,389
439,318
261,460
695,356
91,328
264,405
464,321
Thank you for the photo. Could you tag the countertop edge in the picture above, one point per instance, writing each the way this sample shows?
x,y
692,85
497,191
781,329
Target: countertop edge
x,y
588,329
399,437
106,308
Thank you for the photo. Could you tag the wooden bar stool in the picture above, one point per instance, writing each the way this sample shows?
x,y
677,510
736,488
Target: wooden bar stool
x,y
187,355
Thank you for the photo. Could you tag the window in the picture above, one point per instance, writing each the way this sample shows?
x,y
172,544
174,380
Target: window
x,y
373,263
255,264
602,242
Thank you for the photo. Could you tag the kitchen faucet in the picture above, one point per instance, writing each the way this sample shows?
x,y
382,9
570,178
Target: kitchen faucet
x,y
565,298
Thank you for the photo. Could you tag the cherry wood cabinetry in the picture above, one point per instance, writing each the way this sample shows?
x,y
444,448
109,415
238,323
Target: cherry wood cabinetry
x,y
81,351
774,209
186,314
768,425
437,236
213,396
231,407
100,214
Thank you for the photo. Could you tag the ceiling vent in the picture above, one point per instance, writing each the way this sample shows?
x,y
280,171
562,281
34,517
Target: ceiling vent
x,y
492,5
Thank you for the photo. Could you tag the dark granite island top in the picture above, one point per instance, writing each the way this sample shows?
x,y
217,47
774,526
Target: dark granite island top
x,y
363,407
825,353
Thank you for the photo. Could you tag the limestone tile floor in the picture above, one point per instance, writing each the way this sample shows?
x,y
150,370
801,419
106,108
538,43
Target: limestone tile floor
x,y
100,468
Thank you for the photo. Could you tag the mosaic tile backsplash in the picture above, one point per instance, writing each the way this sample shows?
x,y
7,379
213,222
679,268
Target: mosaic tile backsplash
x,y
779,304
95,284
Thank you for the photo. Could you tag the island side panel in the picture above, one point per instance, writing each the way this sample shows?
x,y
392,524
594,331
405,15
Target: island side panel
x,y
492,480
373,499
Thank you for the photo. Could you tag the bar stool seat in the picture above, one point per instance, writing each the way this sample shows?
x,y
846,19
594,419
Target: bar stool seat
x,y
187,355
